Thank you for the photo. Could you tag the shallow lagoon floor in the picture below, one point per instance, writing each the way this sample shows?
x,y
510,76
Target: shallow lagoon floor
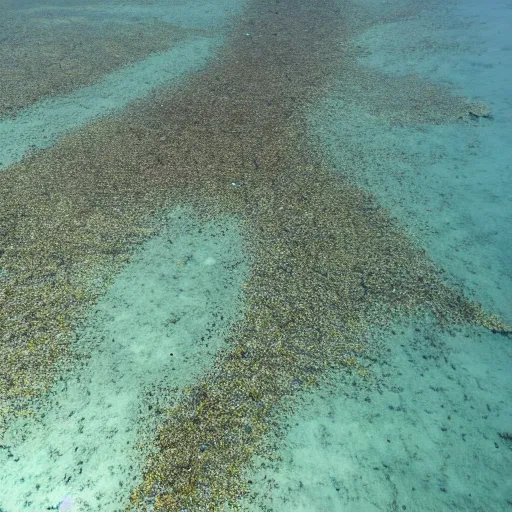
x,y
429,433
419,421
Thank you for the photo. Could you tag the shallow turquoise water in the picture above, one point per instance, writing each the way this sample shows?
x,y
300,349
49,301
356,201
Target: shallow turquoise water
x,y
424,433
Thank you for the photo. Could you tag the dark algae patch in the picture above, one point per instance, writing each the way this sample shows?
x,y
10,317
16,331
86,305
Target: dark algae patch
x,y
326,261
47,52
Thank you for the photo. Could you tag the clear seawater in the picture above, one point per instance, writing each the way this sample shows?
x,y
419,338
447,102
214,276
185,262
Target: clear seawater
x,y
431,430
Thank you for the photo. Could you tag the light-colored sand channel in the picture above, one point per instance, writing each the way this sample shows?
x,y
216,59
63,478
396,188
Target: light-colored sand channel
x,y
160,324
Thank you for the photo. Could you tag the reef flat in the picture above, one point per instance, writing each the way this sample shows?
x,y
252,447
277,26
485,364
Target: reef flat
x,y
326,262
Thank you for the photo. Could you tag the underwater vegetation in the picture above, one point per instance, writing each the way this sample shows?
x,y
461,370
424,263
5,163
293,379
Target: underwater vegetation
x,y
326,262
51,51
